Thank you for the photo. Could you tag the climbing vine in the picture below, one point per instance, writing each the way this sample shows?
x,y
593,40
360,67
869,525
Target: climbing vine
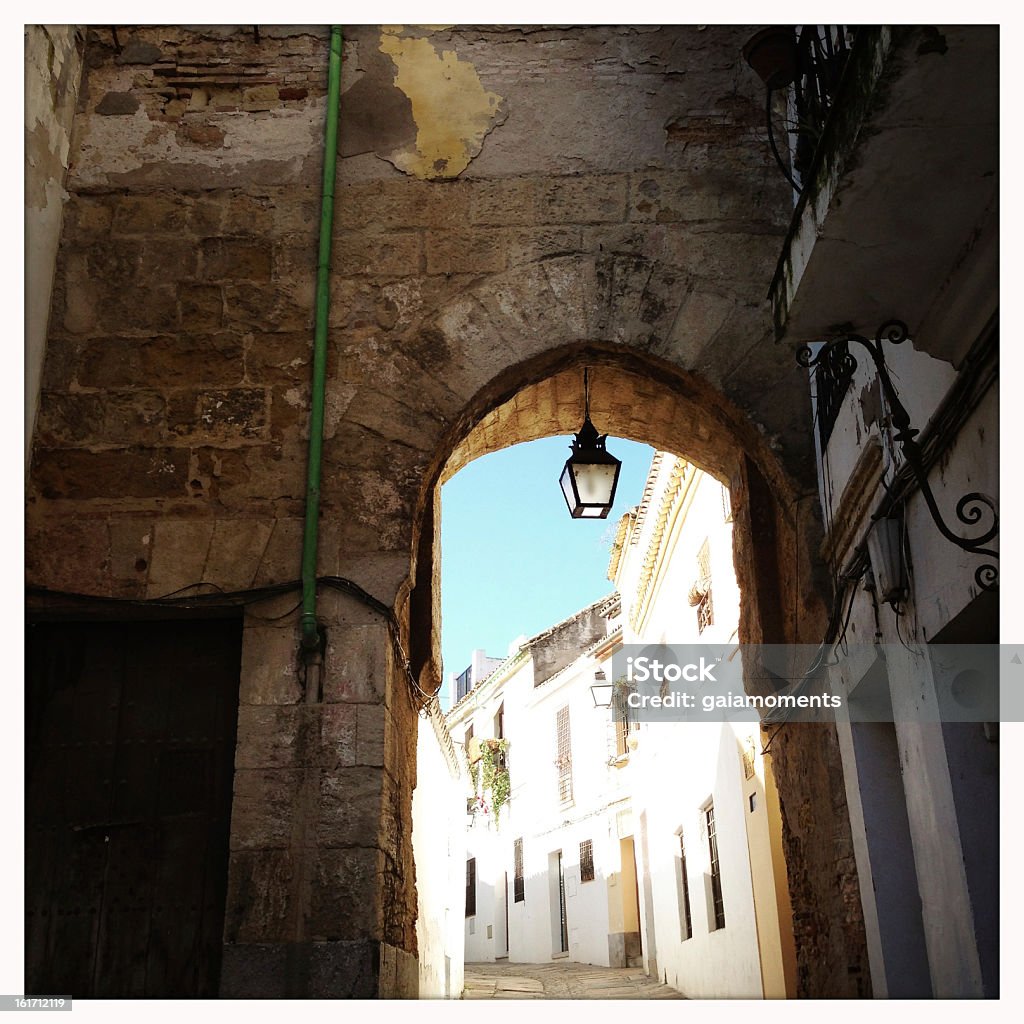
x,y
490,772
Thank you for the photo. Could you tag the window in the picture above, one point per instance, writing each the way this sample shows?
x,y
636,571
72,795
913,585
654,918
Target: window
x,y
463,683
716,871
563,758
518,882
587,860
685,920
625,719
832,379
499,722
471,887
700,592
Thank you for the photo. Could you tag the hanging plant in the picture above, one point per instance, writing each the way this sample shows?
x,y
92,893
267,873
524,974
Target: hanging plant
x,y
493,774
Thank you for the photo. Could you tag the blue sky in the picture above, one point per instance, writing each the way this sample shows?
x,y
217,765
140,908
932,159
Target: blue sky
x,y
512,559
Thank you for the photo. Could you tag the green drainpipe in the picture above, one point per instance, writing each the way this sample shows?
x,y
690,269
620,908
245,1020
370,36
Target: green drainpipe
x,y
310,637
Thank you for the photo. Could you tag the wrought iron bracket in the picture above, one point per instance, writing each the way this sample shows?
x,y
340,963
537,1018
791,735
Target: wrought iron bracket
x,y
972,507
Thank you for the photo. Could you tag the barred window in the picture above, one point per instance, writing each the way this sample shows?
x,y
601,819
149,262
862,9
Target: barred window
x,y
625,719
563,760
518,882
471,887
587,860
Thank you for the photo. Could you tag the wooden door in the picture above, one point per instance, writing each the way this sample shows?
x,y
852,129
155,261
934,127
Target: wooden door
x,y
130,738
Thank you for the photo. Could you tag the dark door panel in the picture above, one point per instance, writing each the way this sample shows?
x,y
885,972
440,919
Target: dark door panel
x,y
130,737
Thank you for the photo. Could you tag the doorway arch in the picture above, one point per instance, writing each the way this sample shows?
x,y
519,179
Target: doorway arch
x,y
643,397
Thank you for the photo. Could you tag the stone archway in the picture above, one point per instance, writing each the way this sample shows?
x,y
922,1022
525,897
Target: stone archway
x,y
642,397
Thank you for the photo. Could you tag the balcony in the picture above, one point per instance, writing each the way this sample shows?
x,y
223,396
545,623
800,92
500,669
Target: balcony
x,y
898,171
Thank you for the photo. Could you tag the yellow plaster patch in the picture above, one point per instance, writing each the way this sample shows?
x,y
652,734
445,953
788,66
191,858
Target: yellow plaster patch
x,y
452,110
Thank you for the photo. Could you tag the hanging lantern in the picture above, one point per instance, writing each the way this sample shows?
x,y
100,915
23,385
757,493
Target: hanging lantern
x,y
591,473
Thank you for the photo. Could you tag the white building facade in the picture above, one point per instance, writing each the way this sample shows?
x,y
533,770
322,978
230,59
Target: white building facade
x,y
624,843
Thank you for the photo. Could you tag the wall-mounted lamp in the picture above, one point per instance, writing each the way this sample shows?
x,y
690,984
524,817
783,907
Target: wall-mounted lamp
x,y
591,473
971,509
885,549
601,690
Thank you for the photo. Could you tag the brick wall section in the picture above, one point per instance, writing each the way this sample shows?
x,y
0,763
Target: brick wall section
x,y
171,448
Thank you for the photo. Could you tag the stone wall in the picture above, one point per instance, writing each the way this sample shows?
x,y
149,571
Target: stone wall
x,y
637,224
53,71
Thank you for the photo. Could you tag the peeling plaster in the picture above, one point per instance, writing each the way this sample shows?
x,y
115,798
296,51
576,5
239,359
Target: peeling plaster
x,y
451,109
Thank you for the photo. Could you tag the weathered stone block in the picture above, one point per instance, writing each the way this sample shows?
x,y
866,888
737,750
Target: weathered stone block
x,y
356,664
585,200
261,901
370,734
343,894
281,736
264,308
149,308
201,306
113,418
504,201
390,254
136,52
278,358
118,473
464,252
117,103
339,736
408,204
260,97
270,665
236,259
283,553
87,218
233,413
530,245
130,550
79,563
663,197
157,361
150,214
263,808
249,215
178,554
235,552
308,970
350,807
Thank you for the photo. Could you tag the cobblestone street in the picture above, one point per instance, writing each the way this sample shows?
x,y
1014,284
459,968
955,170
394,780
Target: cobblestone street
x,y
563,980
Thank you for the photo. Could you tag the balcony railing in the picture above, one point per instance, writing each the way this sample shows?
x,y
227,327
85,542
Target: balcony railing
x,y
808,63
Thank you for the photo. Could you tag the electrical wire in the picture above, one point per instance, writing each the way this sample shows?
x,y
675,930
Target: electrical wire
x,y
254,595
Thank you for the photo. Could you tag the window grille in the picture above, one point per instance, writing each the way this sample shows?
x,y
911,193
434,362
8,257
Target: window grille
x,y
587,860
716,871
563,759
685,920
471,887
625,719
832,379
518,882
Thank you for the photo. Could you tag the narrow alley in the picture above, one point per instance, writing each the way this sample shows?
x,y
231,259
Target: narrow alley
x,y
563,980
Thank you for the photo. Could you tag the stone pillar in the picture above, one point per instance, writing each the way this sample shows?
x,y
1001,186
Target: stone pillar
x,y
934,828
305,917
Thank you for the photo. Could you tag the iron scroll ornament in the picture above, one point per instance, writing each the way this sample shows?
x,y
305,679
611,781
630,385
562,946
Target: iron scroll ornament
x,y
835,358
